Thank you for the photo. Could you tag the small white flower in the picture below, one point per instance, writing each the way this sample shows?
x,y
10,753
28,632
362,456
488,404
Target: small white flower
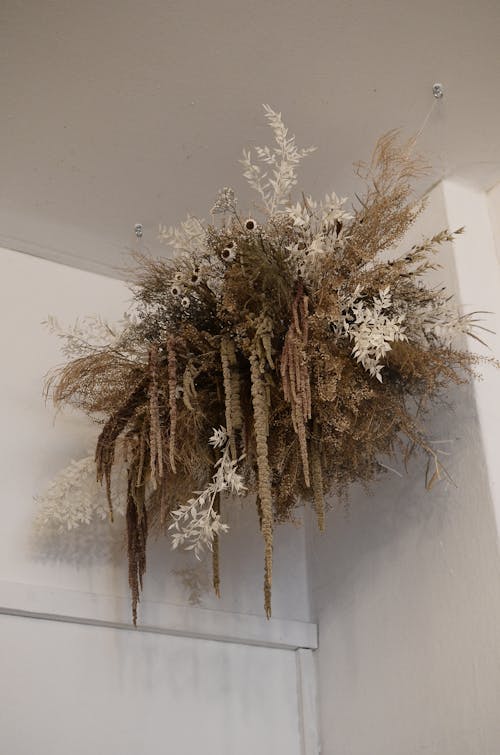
x,y
185,302
176,290
250,224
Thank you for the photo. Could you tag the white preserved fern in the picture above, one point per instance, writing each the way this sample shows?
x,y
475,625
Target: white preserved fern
x,y
196,523
371,328
276,175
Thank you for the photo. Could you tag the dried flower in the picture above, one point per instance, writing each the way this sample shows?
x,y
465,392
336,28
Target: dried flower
x,y
228,254
225,202
312,349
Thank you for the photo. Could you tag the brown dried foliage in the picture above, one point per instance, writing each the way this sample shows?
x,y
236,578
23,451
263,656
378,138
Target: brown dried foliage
x,y
257,353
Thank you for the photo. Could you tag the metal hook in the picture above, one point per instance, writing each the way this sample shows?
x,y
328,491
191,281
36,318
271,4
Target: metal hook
x,y
438,90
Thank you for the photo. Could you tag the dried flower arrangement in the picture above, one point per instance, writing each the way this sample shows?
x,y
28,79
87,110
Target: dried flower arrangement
x,y
314,354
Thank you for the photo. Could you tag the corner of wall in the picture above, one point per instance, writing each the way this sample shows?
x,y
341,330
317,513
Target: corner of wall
x,y
478,289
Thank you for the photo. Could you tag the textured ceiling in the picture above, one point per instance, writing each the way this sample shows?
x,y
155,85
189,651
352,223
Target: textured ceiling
x,y
120,112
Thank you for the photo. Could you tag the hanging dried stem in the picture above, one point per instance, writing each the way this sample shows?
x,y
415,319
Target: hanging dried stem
x,y
105,449
228,357
155,435
317,478
261,413
137,534
216,553
172,399
295,374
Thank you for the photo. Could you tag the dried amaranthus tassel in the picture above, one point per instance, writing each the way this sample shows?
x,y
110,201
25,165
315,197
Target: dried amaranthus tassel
x,y
260,411
295,374
317,479
172,399
215,554
227,356
116,424
137,533
155,437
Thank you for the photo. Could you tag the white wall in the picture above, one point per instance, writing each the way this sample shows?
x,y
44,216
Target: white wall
x,y
494,211
74,676
406,583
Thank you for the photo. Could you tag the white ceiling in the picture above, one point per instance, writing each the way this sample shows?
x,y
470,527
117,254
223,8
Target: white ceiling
x,y
116,112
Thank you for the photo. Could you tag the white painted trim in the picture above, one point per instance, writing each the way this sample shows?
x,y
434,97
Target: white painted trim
x,y
55,604
307,688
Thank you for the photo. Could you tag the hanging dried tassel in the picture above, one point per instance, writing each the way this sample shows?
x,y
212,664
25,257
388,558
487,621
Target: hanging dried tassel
x,y
260,411
236,411
155,437
317,479
295,375
188,387
172,399
226,352
215,554
105,448
137,533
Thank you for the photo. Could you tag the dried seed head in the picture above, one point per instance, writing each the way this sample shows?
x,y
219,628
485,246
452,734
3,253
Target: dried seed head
x,y
176,290
227,254
250,224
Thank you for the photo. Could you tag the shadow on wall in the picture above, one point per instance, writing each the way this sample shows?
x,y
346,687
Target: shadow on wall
x,y
362,535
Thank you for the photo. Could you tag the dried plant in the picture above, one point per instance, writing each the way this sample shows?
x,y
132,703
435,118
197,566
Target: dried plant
x,y
315,354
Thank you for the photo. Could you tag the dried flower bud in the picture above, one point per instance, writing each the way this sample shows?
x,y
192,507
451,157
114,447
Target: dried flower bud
x,y
227,254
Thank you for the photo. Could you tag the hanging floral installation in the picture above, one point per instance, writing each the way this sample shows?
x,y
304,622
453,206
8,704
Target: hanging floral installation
x,y
282,355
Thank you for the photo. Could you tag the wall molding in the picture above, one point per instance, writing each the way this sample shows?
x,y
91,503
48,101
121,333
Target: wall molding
x,y
75,607
307,695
